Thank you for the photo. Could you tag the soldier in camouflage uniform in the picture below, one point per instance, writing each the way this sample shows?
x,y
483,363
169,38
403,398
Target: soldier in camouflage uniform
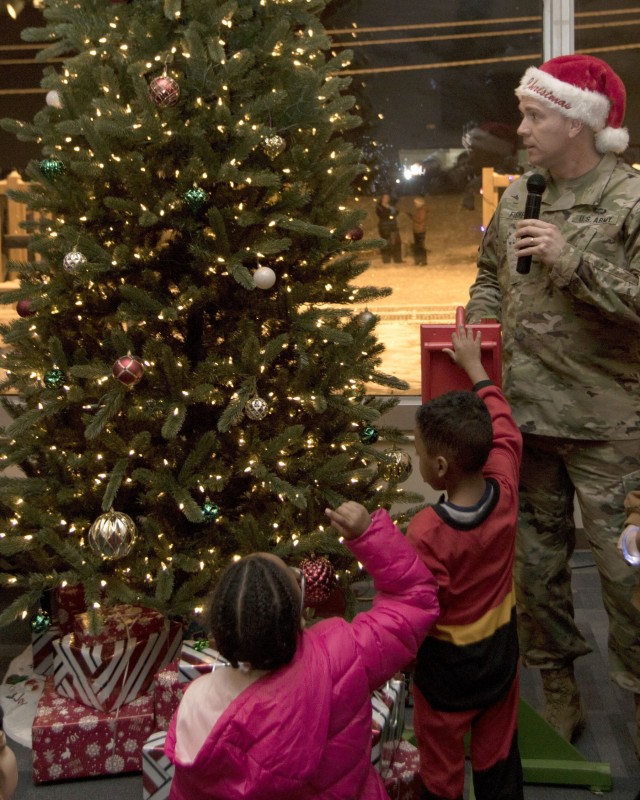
x,y
571,367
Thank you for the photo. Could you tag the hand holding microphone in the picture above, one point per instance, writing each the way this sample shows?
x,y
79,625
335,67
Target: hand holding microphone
x,y
536,184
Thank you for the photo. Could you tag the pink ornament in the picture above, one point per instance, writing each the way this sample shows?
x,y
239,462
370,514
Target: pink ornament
x,y
128,370
23,308
164,91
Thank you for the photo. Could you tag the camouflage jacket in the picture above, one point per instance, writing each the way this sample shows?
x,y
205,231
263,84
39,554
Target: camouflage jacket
x,y
571,333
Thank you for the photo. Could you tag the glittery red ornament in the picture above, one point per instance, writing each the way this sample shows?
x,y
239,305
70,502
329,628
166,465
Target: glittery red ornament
x,y
320,579
355,234
128,370
164,91
23,308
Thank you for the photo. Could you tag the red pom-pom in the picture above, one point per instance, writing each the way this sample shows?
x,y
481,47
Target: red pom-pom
x,y
128,370
355,234
320,579
23,308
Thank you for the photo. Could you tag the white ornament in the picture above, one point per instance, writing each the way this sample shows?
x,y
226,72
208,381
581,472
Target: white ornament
x,y
264,277
53,99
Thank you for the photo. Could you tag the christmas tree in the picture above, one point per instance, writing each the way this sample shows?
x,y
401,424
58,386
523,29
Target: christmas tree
x,y
193,367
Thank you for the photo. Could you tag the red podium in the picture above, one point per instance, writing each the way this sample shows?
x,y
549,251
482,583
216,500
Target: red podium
x,y
439,373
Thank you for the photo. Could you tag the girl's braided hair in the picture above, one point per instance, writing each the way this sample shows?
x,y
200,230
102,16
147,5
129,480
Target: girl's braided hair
x,y
255,614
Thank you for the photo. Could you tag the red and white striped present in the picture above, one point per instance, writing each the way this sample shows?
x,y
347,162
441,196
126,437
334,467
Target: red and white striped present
x,y
73,741
118,622
197,659
66,602
42,649
388,712
157,770
106,674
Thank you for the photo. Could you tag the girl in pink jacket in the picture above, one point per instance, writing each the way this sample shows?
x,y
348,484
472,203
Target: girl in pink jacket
x,y
290,719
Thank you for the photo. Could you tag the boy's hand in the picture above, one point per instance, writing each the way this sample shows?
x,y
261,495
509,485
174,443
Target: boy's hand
x,y
466,353
351,519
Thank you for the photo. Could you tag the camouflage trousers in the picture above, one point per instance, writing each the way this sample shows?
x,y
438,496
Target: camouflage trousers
x,y
555,473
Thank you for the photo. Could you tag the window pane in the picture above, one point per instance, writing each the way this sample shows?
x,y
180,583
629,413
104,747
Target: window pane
x,y
435,88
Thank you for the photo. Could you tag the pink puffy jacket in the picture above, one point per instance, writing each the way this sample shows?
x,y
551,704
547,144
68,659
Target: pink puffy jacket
x,y
304,731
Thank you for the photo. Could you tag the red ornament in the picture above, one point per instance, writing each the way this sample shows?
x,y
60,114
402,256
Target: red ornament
x,y
23,308
164,91
355,234
319,579
128,370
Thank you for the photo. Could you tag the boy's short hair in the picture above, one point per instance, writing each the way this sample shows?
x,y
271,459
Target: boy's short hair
x,y
457,425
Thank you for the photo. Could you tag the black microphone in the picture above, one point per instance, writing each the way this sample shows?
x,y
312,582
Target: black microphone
x,y
536,185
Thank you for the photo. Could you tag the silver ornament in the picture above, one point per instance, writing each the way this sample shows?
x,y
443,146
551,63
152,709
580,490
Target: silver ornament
x,y
53,99
256,408
112,535
264,277
73,260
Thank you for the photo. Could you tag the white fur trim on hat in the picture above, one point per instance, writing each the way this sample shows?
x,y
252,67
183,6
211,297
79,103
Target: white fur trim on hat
x,y
584,105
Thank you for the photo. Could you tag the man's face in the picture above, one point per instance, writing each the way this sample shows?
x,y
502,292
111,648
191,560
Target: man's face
x,y
546,133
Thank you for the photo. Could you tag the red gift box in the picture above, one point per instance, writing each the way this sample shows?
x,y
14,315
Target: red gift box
x,y
109,674
118,622
167,694
66,602
157,770
403,781
70,740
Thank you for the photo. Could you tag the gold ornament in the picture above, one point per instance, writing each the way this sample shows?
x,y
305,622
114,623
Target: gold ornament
x,y
396,466
112,535
273,145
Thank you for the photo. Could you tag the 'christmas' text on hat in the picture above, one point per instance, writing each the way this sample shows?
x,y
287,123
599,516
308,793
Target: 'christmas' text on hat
x,y
584,88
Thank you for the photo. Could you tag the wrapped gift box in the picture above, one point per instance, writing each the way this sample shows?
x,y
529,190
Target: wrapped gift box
x,y
388,709
105,673
196,660
72,741
403,782
66,602
157,770
42,650
118,622
167,694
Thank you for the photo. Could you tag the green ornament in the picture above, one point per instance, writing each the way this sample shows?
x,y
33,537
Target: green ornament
x,y
196,198
210,511
54,378
52,168
369,435
200,645
40,622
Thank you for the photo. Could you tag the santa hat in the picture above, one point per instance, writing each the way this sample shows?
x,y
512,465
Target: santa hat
x,y
583,88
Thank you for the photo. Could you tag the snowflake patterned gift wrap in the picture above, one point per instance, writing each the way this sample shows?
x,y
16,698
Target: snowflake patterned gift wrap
x,y
196,659
157,770
106,673
167,694
73,741
403,780
388,710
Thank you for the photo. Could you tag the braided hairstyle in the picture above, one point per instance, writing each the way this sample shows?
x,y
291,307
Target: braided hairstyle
x,y
457,424
255,614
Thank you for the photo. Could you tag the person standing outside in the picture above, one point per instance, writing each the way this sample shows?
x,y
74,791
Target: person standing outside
x,y
571,365
419,228
389,230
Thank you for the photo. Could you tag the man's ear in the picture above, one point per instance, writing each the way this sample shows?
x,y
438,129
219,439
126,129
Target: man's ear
x,y
576,126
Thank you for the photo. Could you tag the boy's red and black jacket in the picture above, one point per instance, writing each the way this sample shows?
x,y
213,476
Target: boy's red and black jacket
x,y
470,656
